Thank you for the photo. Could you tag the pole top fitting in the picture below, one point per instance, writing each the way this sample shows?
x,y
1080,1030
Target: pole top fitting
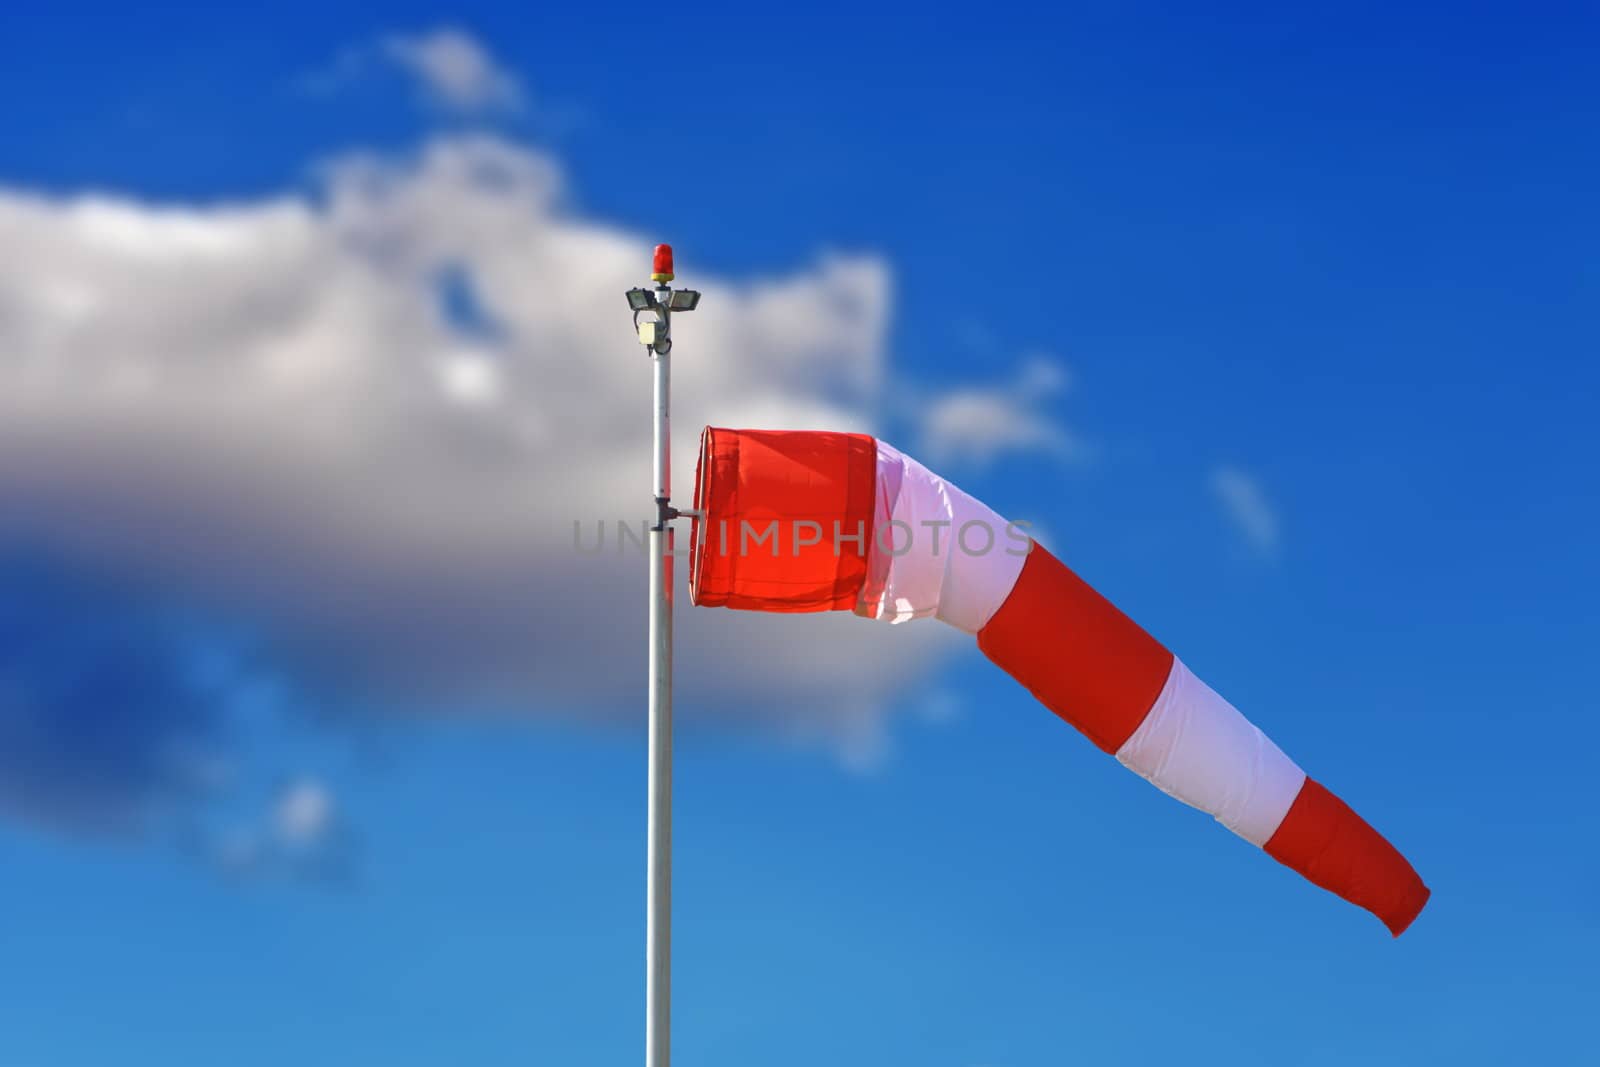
x,y
661,268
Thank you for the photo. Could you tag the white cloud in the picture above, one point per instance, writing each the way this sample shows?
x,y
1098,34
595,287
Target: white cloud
x,y
456,70
303,814
295,833
980,423
1247,507
262,409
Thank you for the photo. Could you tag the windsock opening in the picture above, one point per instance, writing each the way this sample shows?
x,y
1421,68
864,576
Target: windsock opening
x,y
786,519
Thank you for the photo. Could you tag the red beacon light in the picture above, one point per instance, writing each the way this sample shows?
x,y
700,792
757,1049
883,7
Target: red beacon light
x,y
661,268
663,298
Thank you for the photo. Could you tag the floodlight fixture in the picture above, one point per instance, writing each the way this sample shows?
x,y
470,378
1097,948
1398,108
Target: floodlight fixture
x,y
641,299
684,299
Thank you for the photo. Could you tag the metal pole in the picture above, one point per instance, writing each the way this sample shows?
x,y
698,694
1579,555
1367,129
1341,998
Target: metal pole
x,y
658,934
655,333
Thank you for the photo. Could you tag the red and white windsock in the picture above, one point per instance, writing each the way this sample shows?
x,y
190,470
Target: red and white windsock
x,y
815,521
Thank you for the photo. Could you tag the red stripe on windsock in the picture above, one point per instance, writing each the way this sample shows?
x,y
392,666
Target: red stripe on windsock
x,y
1073,650
1331,845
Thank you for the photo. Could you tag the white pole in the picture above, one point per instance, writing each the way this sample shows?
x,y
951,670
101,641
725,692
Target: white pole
x,y
655,333
658,933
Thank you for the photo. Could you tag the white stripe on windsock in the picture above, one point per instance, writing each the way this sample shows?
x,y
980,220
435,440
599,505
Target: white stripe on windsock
x,y
936,552
1197,747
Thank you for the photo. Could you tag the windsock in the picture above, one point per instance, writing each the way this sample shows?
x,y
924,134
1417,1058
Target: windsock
x,y
814,521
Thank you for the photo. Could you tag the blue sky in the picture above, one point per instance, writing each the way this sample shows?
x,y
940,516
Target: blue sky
x,y
1342,263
